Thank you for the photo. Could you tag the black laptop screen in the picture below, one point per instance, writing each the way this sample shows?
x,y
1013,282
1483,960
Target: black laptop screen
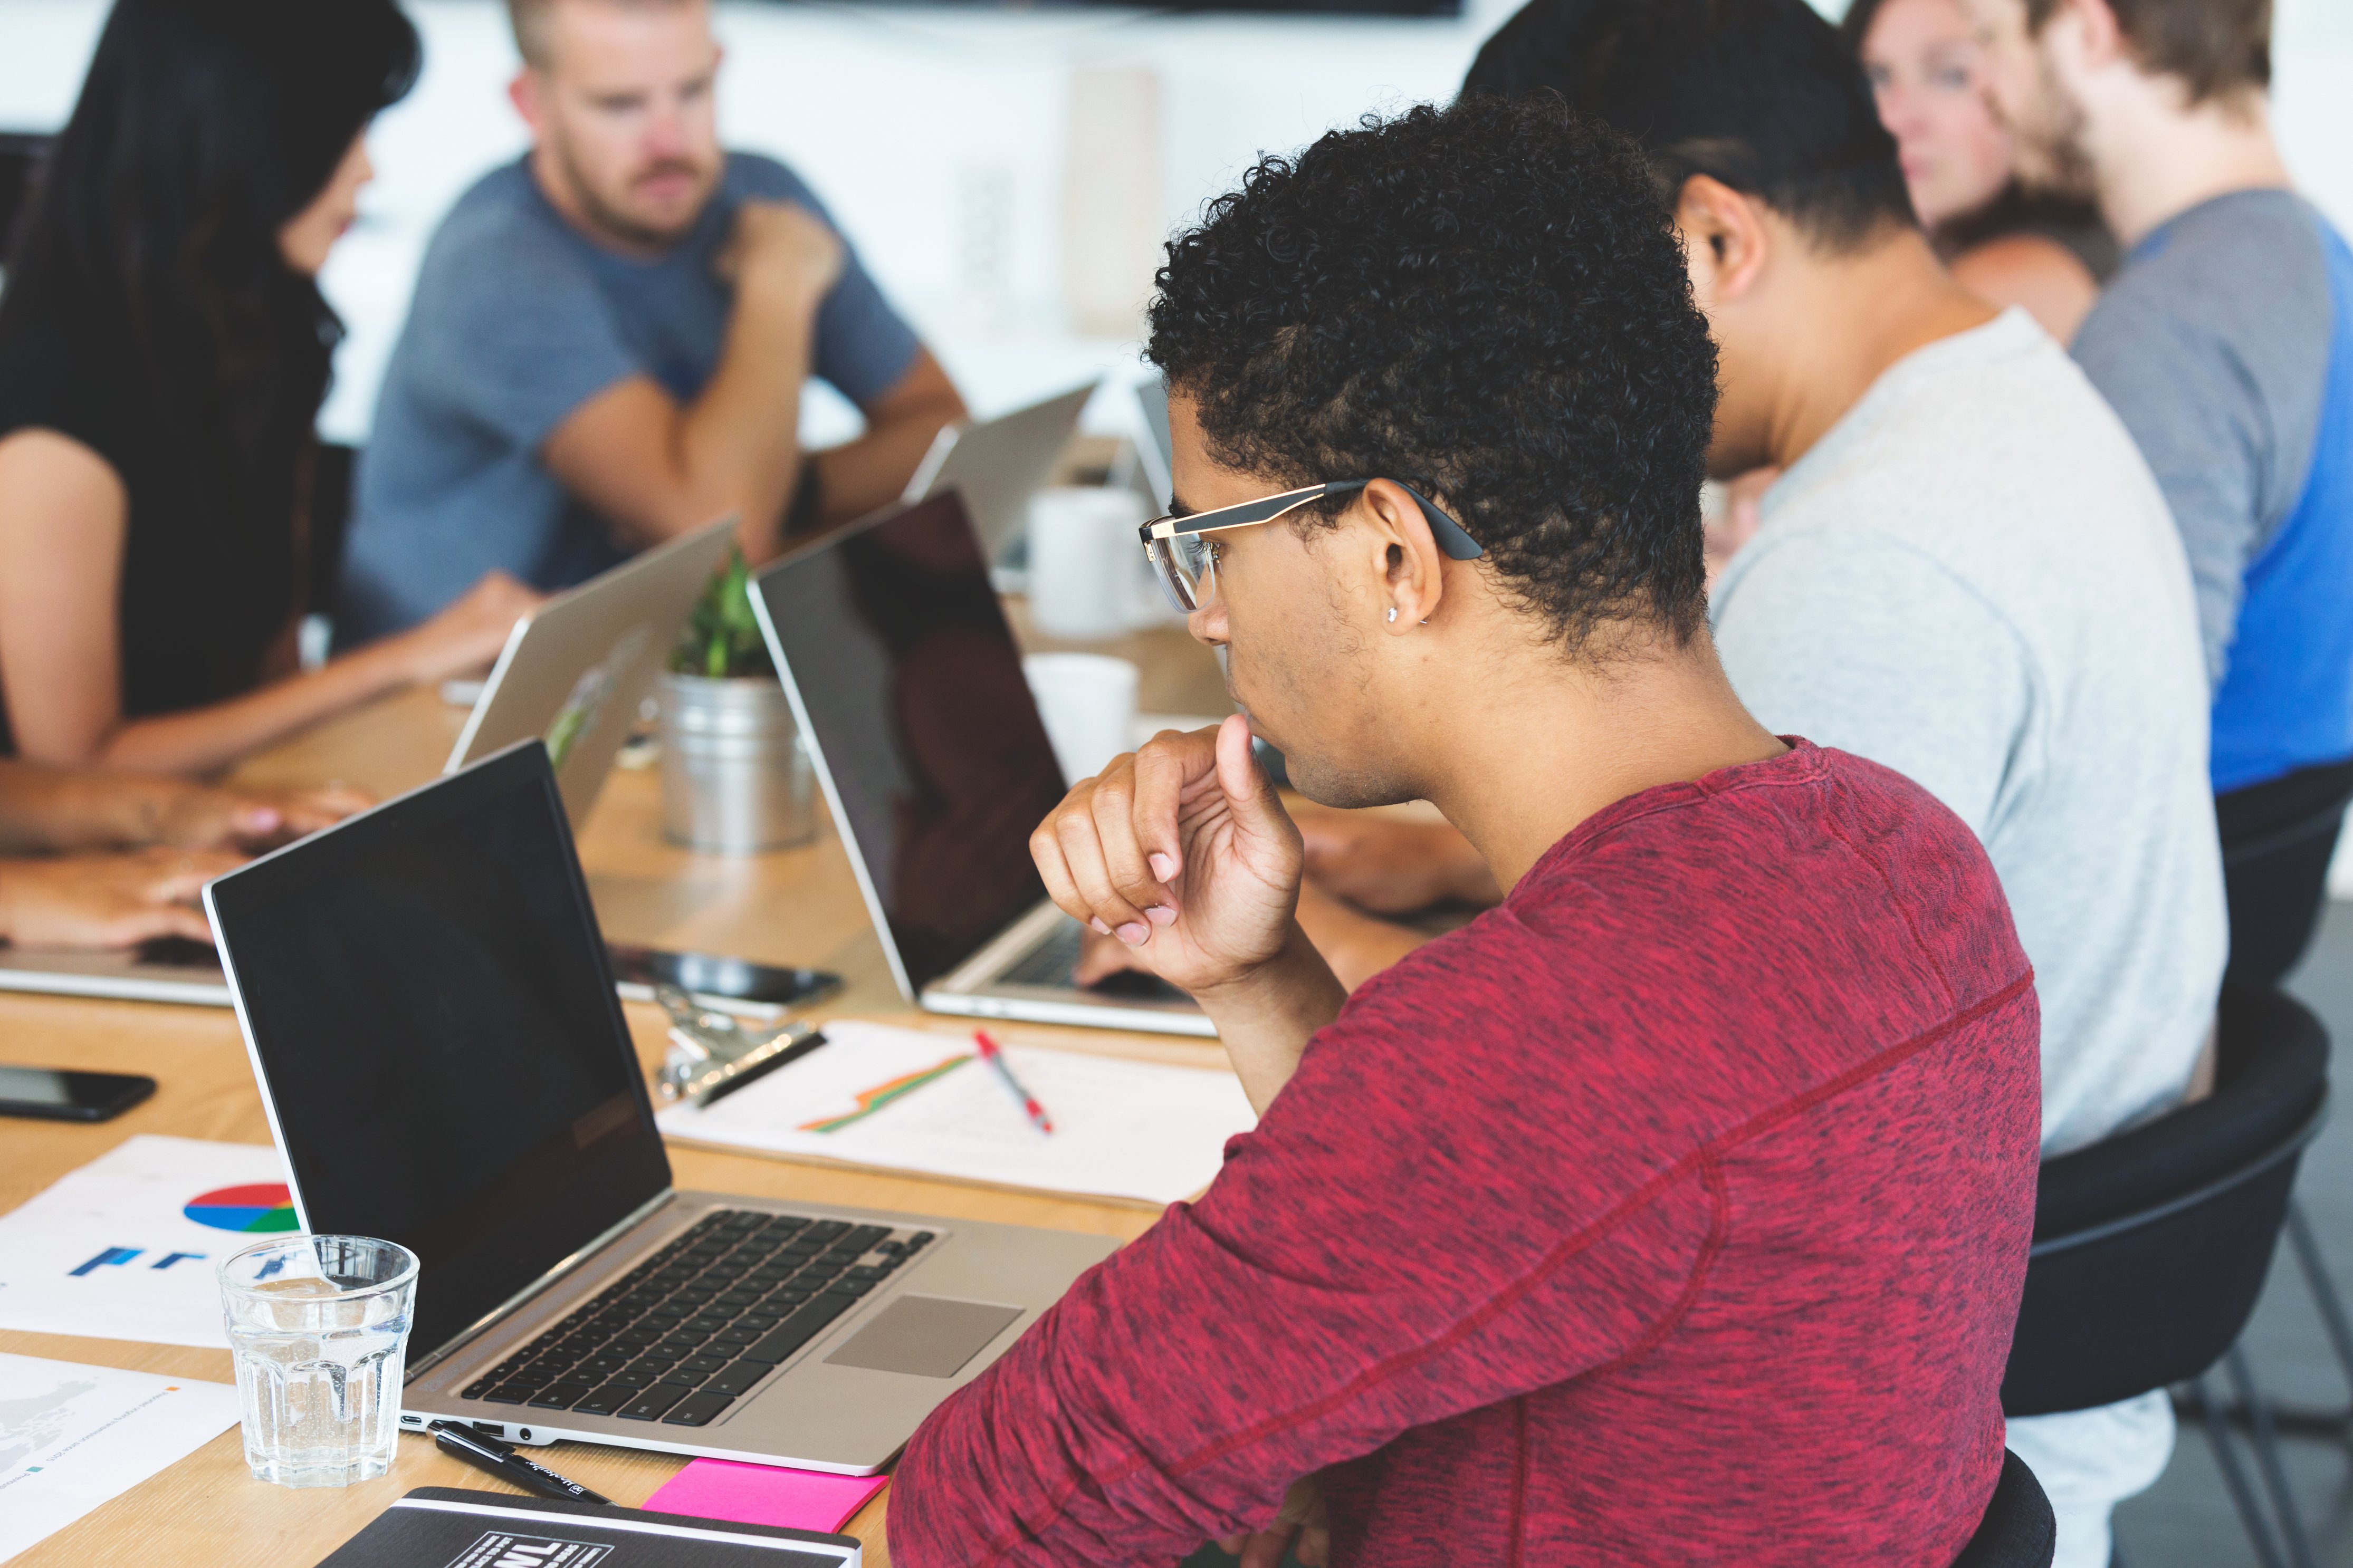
x,y
427,994
901,656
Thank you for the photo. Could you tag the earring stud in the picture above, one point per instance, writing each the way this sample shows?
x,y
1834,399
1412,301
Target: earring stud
x,y
1392,615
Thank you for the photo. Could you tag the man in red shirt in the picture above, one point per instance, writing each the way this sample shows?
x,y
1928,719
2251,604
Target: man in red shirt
x,y
1675,1210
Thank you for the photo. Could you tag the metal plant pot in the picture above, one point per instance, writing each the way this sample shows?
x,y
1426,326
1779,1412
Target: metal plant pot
x,y
735,777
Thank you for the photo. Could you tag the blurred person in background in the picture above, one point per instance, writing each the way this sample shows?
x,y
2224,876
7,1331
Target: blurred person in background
x,y
164,353
610,337
2226,344
2005,245
95,859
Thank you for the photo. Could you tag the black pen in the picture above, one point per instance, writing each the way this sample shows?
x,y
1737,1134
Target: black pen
x,y
485,1452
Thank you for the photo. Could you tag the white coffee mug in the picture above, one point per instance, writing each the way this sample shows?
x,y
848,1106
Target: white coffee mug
x,y
1088,703
1083,561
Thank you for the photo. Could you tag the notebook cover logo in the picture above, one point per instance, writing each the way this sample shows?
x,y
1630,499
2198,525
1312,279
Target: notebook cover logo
x,y
504,1549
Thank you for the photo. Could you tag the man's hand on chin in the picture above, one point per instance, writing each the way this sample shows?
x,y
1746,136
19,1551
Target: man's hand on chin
x,y
1183,853
1181,847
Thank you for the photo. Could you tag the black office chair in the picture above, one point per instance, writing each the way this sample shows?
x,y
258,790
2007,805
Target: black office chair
x,y
2018,1529
2151,1247
2276,843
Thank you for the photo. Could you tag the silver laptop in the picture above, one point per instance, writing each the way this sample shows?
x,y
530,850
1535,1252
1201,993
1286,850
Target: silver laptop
x,y
432,1023
999,464
907,686
575,672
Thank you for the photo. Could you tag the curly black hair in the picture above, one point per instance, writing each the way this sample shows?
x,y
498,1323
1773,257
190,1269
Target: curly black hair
x,y
1486,303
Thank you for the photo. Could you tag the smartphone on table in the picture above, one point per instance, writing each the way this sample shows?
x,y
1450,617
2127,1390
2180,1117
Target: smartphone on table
x,y
56,1095
719,978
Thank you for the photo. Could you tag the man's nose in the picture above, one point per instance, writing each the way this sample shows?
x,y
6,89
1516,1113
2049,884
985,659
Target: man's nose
x,y
666,133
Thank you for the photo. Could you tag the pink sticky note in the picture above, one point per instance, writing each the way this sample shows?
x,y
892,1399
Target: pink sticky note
x,y
764,1494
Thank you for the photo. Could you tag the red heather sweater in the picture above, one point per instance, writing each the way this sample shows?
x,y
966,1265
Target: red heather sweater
x,y
1674,1212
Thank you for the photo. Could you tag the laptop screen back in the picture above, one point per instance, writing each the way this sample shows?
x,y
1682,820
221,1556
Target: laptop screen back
x,y
912,693
426,997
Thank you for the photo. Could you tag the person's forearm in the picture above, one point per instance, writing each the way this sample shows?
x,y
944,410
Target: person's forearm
x,y
48,810
205,739
872,471
1264,1021
739,442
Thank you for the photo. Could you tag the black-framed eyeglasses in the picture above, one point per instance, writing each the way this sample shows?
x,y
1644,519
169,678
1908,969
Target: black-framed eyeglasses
x,y
1184,562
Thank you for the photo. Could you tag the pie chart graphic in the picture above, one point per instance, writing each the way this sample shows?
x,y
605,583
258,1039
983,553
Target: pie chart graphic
x,y
257,1208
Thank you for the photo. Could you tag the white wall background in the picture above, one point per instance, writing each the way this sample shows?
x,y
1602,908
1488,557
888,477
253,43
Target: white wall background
x,y
939,136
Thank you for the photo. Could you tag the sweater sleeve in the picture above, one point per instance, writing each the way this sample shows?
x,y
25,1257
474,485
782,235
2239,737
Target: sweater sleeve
x,y
1323,1297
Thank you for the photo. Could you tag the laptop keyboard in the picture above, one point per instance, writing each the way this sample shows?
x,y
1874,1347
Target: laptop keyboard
x,y
682,1335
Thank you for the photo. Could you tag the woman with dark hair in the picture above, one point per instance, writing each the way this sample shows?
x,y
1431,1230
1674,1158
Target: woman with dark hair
x,y
2045,253
164,352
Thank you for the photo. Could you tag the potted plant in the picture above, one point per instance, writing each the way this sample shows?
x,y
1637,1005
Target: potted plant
x,y
735,777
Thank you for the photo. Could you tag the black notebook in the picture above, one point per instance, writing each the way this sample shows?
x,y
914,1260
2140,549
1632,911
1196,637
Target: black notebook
x,y
443,1527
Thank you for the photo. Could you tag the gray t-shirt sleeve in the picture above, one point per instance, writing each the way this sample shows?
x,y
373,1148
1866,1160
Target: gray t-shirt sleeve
x,y
518,343
2198,416
863,346
1863,643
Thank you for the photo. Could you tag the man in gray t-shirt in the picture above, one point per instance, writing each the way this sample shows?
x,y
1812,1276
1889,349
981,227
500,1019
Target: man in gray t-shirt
x,y
609,337
2226,345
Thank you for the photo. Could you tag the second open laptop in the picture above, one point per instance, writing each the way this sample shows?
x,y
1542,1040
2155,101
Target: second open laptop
x,y
998,463
431,1018
574,670
907,685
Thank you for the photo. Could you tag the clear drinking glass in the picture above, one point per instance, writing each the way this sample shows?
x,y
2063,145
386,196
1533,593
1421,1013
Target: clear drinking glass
x,y
319,1325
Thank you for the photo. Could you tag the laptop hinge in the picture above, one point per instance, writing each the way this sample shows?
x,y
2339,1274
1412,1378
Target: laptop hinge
x,y
515,1302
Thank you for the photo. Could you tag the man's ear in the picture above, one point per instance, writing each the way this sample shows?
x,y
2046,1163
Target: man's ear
x,y
523,93
1404,554
2088,30
1725,237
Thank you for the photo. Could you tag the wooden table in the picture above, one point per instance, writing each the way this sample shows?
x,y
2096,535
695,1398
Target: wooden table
x,y
798,906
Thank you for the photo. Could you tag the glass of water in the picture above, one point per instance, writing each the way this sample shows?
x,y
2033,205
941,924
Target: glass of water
x,y
319,1324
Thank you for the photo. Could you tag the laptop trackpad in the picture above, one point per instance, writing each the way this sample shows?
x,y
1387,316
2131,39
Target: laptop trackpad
x,y
929,1336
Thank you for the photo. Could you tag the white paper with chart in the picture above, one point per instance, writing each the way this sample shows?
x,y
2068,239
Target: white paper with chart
x,y
123,1247
910,1100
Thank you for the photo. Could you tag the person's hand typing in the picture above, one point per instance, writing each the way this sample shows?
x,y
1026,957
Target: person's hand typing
x,y
107,901
202,817
1182,849
782,250
1300,1525
1390,866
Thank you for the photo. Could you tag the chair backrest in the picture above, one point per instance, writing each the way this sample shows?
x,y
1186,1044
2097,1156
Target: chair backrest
x,y
2151,1247
2018,1529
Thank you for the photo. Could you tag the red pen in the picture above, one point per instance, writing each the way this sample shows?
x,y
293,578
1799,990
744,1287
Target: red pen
x,y
995,1058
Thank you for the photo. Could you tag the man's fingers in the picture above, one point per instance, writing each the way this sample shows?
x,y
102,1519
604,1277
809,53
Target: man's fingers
x,y
1124,856
1164,768
1046,849
1082,854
